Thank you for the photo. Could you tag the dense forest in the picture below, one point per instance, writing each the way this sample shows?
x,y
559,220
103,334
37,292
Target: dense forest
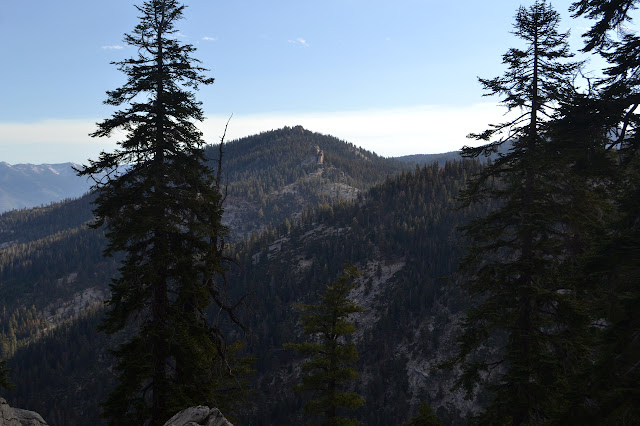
x,y
388,233
500,287
274,175
402,236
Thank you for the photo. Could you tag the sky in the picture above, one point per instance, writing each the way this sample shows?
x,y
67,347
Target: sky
x,y
394,77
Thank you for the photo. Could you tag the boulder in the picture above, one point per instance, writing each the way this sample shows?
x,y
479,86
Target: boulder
x,y
18,417
198,416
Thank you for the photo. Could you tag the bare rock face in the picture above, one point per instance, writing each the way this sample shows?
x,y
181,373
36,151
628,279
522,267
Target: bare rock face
x,y
197,416
315,157
18,417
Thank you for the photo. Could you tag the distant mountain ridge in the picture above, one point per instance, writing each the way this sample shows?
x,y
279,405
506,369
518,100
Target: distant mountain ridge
x,y
430,158
32,185
258,156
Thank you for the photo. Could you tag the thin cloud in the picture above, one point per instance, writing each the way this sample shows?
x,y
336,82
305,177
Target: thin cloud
x,y
114,47
52,141
299,41
210,38
422,129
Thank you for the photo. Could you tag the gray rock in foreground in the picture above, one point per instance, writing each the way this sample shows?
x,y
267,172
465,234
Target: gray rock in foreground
x,y
18,417
197,416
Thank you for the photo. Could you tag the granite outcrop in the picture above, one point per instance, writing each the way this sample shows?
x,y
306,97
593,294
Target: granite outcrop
x,y
10,416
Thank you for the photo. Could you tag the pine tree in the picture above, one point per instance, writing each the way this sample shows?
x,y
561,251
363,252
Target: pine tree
x,y
608,391
619,87
161,205
425,417
512,267
327,373
4,380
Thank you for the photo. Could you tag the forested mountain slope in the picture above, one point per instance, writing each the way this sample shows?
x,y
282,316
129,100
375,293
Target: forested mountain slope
x,y
51,260
401,234
430,158
52,266
52,269
274,175
271,177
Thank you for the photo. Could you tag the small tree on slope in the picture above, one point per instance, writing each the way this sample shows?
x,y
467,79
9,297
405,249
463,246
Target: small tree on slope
x,y
327,373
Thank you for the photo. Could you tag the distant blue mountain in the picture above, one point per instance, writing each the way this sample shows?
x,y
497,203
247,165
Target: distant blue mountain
x,y
31,185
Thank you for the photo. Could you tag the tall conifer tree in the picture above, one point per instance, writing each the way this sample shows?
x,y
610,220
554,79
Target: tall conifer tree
x,y
161,205
610,390
328,371
512,265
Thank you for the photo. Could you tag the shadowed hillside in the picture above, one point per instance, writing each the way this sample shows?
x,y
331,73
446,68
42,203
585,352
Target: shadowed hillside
x,y
400,233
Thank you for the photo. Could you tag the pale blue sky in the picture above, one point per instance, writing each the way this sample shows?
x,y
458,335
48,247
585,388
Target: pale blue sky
x,y
394,77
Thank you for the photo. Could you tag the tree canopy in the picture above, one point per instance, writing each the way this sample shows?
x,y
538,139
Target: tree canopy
x,y
161,205
523,309
327,373
4,381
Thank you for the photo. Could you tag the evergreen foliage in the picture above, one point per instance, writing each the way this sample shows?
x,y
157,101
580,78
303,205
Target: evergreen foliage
x,y
328,371
610,389
274,175
552,264
63,372
406,220
266,162
425,417
33,224
607,390
524,311
161,206
4,381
